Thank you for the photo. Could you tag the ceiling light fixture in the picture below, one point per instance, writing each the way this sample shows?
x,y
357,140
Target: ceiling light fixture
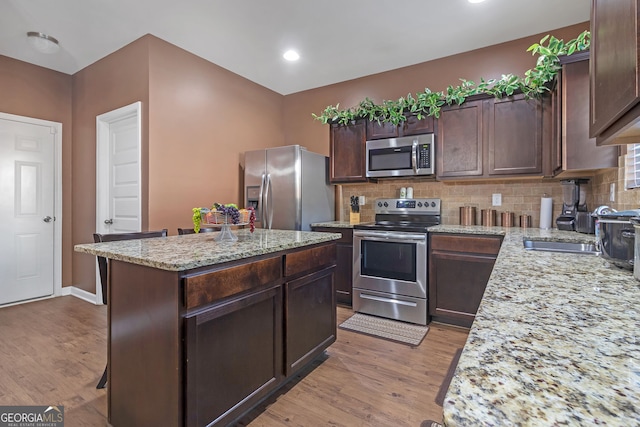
x,y
475,1
291,55
42,42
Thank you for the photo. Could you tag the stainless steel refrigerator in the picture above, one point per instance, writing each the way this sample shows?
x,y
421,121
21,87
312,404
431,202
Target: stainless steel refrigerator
x,y
289,187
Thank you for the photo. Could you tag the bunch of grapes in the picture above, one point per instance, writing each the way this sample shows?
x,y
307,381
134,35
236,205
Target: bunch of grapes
x,y
252,219
231,213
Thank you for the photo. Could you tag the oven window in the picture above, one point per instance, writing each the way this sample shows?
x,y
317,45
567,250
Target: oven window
x,y
390,260
390,159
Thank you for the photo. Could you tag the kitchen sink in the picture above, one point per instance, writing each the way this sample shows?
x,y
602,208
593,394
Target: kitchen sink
x,y
567,247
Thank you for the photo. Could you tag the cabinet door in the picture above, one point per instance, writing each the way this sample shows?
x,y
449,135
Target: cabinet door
x,y
459,141
310,318
614,61
377,130
347,148
233,356
514,127
460,283
344,263
579,152
415,126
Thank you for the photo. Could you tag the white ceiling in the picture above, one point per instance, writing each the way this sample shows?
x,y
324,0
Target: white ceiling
x,y
338,40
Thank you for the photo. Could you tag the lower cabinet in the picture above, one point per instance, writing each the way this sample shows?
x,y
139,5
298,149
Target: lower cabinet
x,y
344,263
310,323
234,353
459,269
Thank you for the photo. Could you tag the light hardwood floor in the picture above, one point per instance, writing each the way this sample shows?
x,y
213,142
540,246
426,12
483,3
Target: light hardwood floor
x,y
54,351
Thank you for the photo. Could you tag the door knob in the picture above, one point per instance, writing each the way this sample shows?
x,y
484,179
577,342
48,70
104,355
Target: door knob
x,y
47,218
108,221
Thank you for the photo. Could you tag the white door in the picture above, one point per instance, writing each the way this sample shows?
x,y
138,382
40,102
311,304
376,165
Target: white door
x,y
119,175
27,211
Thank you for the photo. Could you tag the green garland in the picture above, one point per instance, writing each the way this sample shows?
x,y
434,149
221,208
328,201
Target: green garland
x,y
427,103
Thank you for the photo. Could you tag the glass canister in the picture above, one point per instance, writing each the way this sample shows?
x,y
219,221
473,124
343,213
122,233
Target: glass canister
x,y
636,247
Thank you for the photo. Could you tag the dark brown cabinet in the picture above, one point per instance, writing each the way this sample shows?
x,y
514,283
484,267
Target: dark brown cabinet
x,y
310,324
411,126
577,152
488,137
203,346
615,71
238,344
459,269
460,143
344,263
347,150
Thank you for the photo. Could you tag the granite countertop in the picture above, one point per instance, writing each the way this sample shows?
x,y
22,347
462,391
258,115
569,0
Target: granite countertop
x,y
334,224
555,341
179,253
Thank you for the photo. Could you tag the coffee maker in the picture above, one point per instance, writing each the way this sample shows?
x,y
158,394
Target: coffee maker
x,y
573,203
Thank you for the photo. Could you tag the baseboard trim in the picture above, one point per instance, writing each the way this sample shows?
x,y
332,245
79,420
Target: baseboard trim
x,y
80,293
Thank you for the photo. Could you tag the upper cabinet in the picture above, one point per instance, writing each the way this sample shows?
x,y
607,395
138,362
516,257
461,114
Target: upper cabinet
x,y
411,126
615,72
488,137
576,151
347,148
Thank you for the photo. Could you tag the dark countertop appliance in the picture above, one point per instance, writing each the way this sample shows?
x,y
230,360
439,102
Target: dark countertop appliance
x,y
573,203
390,259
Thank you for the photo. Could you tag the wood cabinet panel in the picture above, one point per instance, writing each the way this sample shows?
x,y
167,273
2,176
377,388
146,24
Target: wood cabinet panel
x,y
347,146
615,71
309,259
459,270
205,288
310,318
343,277
578,151
411,126
234,353
459,141
415,126
515,135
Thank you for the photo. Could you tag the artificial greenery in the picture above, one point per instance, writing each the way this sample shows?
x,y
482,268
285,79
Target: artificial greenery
x,y
427,103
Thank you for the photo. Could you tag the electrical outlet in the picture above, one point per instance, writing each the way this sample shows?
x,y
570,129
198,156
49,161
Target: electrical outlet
x,y
496,199
361,200
612,192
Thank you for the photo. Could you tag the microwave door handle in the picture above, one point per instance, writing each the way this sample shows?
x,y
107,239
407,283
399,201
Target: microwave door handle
x,y
414,156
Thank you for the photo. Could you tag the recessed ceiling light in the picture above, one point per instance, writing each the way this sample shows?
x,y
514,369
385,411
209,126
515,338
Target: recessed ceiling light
x,y
291,55
42,42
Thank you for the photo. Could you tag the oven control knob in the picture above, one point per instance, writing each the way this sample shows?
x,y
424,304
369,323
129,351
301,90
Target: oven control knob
x,y
419,204
433,204
379,204
386,204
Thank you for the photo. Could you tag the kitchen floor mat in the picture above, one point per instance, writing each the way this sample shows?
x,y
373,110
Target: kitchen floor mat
x,y
402,332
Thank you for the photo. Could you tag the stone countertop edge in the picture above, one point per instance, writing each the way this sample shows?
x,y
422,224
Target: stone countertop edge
x,y
334,224
180,253
555,340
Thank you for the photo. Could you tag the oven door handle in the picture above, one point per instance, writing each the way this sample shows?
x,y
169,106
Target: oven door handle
x,y
389,300
384,236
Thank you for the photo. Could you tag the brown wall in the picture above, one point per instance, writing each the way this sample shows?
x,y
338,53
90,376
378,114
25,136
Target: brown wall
x,y
32,91
119,79
489,62
202,119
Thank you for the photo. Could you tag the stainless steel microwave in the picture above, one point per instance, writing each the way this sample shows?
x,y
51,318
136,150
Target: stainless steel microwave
x,y
405,156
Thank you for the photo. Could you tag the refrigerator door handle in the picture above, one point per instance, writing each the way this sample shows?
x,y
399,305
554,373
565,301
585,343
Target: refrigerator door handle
x,y
268,209
260,207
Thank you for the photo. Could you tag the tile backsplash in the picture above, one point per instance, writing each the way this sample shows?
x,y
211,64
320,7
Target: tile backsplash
x,y
522,197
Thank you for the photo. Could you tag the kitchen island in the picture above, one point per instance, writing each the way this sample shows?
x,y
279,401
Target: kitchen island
x,y
555,340
201,331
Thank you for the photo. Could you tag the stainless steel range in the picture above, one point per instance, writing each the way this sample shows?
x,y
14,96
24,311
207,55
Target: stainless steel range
x,y
390,259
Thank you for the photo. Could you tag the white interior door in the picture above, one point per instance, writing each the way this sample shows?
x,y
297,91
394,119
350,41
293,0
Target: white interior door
x,y
119,173
27,209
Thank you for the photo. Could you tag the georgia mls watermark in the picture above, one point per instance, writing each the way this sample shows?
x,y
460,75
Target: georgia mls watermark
x,y
31,416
